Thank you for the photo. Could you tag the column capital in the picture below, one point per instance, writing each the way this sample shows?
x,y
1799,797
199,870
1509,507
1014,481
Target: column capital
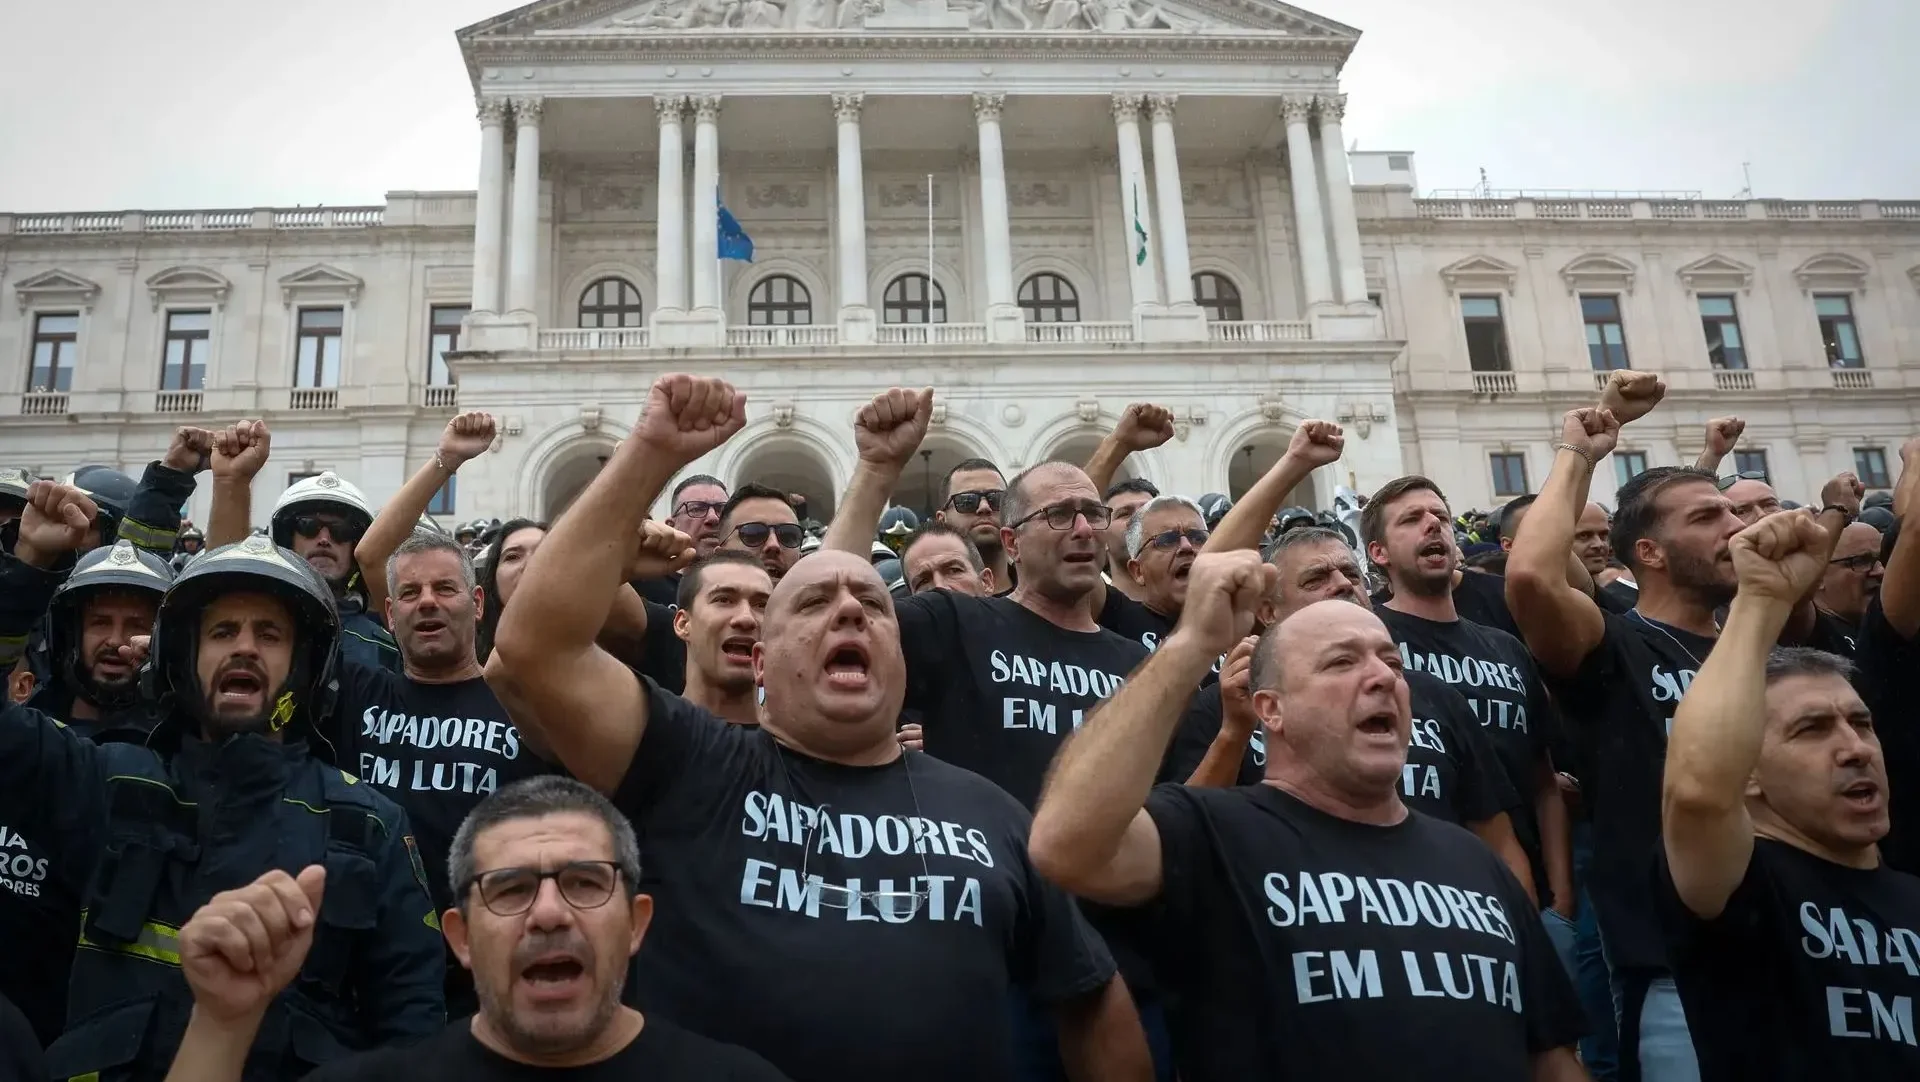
x,y
987,107
846,107
1332,108
1296,109
670,108
1161,105
492,111
706,108
527,110
1126,107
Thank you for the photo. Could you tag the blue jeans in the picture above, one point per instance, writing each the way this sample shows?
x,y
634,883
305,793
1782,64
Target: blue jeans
x,y
1599,1050
1666,1048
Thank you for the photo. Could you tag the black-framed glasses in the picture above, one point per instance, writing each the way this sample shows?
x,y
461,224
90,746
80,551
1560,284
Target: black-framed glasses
x,y
896,905
343,531
509,892
1732,479
1859,561
1062,515
754,534
699,508
1167,539
968,503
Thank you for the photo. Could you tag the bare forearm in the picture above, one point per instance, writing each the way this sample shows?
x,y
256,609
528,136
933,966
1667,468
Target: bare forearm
x,y
1556,836
1709,461
1220,767
212,1051
393,525
230,517
1900,587
1105,462
1247,521
1717,727
858,515
1545,539
624,635
1559,1065
1101,1039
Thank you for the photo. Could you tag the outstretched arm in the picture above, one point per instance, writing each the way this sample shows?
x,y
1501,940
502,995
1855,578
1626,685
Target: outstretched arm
x,y
1900,588
467,437
1143,426
238,453
887,432
1314,444
1722,434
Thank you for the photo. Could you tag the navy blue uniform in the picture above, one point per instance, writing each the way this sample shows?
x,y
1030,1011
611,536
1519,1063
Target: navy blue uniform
x,y
364,641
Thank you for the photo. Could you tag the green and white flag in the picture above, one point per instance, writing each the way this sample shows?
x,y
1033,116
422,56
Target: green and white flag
x,y
1139,231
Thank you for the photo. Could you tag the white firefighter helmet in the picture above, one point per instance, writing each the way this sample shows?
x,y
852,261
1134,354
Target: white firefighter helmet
x,y
322,491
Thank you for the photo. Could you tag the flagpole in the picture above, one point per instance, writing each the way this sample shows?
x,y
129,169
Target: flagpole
x,y
929,295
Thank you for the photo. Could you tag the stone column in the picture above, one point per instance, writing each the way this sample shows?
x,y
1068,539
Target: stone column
x,y
706,205
523,274
1004,321
850,205
1349,269
1172,205
670,230
490,206
1134,204
1310,230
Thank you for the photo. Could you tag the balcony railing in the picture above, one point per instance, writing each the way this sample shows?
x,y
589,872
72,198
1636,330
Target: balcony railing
x,y
1264,330
1080,332
774,337
1852,379
1659,206
440,396
176,402
593,338
1732,379
935,334
313,398
1495,383
176,221
43,404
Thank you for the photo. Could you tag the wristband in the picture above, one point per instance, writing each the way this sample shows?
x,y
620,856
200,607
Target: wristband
x,y
1848,516
1584,457
442,463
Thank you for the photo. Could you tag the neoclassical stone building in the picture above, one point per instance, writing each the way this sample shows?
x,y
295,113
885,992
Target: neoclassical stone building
x,y
1043,208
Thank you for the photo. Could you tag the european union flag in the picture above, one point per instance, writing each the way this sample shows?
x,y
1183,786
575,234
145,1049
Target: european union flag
x,y
733,241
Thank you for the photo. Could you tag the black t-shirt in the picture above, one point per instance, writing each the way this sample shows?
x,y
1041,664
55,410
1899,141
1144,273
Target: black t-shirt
x,y
1483,599
1452,771
1300,945
1888,680
663,655
661,591
1834,635
20,1052
1131,619
844,922
999,688
663,1052
40,918
1616,597
1497,675
1619,707
1811,971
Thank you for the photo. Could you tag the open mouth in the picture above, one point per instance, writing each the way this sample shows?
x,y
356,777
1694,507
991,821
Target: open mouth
x,y
238,686
1862,793
429,627
1182,569
847,668
1432,549
554,975
737,649
1380,724
1078,558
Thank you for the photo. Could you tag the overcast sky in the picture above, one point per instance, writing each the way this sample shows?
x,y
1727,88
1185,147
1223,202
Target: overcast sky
x,y
113,104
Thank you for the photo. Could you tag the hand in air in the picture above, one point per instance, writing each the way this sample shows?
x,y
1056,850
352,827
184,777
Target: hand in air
x,y
1631,395
240,450
466,438
1236,688
191,450
659,550
55,521
1845,490
687,416
1317,443
1144,426
1723,433
888,430
244,946
1223,591
1592,430
1781,557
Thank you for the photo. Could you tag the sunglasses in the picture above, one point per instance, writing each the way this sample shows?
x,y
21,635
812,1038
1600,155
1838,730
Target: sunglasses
x,y
1167,539
754,534
1732,479
342,531
699,508
1061,516
968,503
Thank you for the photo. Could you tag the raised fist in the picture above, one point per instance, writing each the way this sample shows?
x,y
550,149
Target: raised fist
x,y
134,651
466,438
55,521
1723,433
1236,688
687,416
190,451
1592,429
912,736
888,430
1144,426
659,551
1845,490
240,450
1317,443
1781,557
1631,395
244,946
1223,590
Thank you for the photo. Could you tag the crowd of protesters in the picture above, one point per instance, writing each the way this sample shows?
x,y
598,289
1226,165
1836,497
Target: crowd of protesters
x,y
1076,779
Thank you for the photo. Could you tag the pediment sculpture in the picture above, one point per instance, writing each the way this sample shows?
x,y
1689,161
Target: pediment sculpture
x,y
1106,16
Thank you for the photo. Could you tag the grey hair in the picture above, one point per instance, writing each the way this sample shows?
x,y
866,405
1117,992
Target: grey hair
x,y
425,540
1305,535
1137,525
533,798
1018,504
1786,661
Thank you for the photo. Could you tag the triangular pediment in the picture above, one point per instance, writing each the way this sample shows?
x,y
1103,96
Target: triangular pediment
x,y
1479,272
56,287
600,18
1598,271
1716,272
188,284
320,281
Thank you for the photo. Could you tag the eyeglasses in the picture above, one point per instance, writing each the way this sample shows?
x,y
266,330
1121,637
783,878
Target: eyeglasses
x,y
1061,515
509,892
699,508
754,534
899,905
1167,539
1860,561
968,503
1732,479
343,531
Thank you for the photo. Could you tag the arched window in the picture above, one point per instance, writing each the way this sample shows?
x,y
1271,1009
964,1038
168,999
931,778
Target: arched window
x,y
1218,297
779,301
913,298
611,302
1049,298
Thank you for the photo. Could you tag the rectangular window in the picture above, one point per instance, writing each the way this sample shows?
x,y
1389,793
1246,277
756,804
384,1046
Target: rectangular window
x,y
443,337
1486,334
56,342
442,502
1721,322
1870,465
317,363
183,363
295,478
1628,465
1752,462
1606,336
1509,474
1837,330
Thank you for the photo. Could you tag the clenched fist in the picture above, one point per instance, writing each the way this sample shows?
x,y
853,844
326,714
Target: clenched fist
x,y
1317,443
659,551
1223,591
687,416
1236,689
1144,426
240,450
190,451
1781,557
1845,490
1632,395
1723,433
888,430
1592,430
244,946
466,438
55,521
